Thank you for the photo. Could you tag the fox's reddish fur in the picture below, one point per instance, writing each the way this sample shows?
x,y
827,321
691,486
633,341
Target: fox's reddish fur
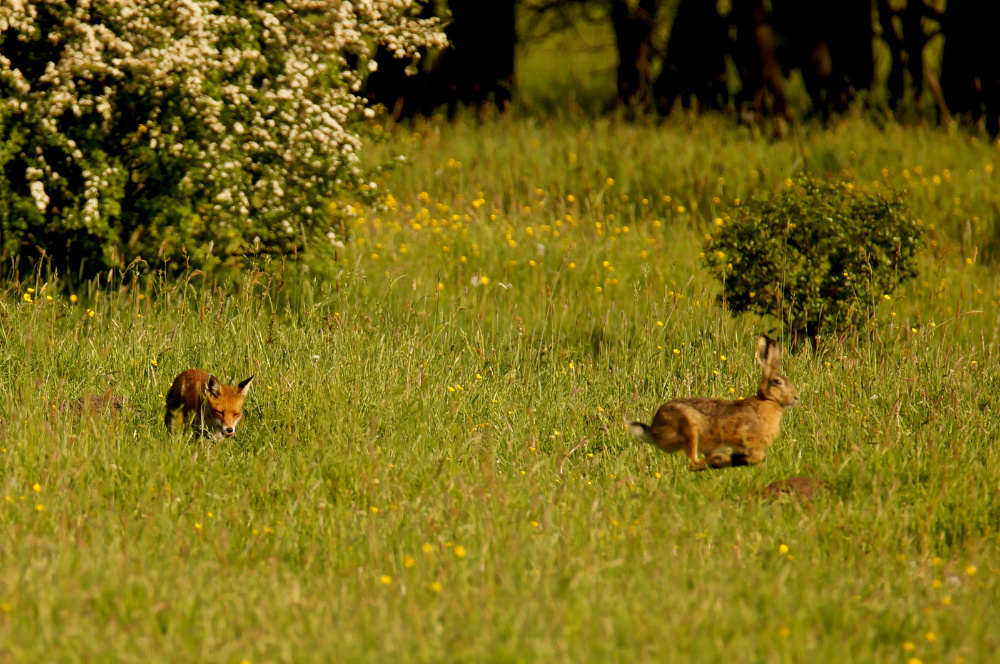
x,y
198,399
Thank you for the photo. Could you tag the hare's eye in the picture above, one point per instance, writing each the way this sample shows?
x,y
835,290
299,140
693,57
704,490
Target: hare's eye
x,y
776,381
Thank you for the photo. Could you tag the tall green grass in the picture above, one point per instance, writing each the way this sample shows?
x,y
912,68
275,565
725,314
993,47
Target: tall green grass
x,y
433,464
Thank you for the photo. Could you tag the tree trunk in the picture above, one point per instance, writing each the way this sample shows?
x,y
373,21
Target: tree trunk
x,y
402,94
831,42
755,55
906,40
695,63
479,67
850,34
633,33
970,61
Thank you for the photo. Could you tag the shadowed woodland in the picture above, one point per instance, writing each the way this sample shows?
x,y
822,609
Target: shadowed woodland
x,y
901,56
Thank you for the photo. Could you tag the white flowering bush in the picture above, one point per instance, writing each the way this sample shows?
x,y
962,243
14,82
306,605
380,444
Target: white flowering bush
x,y
185,130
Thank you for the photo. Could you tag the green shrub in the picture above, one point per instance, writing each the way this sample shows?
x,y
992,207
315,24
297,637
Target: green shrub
x,y
817,256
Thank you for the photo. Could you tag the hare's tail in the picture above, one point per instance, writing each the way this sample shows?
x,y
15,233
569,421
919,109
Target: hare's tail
x,y
641,431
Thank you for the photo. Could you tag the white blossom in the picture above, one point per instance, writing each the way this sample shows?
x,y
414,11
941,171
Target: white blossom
x,y
38,193
252,123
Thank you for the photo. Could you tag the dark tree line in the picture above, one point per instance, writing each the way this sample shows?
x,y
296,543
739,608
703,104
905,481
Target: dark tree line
x,y
830,43
478,68
736,55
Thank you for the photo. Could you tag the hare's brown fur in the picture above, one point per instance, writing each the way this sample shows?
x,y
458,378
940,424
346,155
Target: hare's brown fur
x,y
728,433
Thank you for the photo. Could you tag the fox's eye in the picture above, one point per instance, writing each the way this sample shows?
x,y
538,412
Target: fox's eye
x,y
237,414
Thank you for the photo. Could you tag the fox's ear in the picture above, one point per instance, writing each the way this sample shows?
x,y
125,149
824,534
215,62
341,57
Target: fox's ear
x,y
245,386
213,387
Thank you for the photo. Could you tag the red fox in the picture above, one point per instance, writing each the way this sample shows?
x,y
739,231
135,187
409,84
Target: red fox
x,y
198,398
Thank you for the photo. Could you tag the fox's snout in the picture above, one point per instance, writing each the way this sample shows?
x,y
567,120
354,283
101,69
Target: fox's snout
x,y
226,422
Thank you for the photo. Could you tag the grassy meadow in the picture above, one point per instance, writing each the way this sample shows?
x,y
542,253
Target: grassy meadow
x,y
434,464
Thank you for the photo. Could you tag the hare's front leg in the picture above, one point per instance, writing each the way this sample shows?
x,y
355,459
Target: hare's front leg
x,y
694,463
751,458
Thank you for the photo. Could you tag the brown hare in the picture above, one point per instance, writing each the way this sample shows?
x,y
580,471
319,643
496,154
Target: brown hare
x,y
728,433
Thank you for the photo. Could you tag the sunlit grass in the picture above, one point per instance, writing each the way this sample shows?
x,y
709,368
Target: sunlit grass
x,y
434,464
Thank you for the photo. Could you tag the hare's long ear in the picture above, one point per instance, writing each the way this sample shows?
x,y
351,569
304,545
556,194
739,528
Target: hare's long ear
x,y
213,387
774,356
768,355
